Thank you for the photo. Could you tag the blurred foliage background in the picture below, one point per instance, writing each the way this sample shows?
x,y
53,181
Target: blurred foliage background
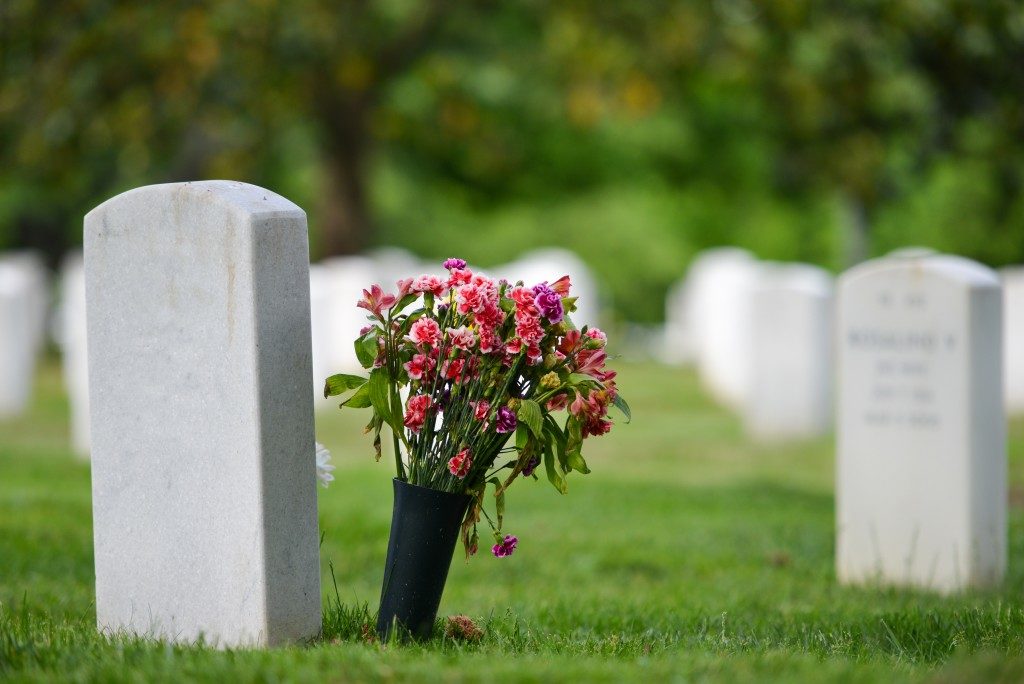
x,y
633,133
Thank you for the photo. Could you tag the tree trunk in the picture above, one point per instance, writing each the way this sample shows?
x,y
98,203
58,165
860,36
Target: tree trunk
x,y
858,228
345,225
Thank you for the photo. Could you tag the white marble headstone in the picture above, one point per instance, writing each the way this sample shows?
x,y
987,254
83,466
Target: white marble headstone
x,y
203,469
74,351
791,370
17,339
33,268
722,281
1013,338
921,434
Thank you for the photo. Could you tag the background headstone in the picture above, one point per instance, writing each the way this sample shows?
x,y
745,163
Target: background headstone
x,y
678,337
203,470
1013,337
721,282
921,435
71,338
18,340
338,317
791,370
32,266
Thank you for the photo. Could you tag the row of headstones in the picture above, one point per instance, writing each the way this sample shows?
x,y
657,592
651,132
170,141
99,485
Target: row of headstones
x,y
204,499
335,286
761,335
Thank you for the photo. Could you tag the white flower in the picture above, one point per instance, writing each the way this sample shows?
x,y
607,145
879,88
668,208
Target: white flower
x,y
323,465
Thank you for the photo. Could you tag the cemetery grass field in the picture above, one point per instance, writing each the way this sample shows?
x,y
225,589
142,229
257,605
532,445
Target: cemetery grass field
x,y
689,553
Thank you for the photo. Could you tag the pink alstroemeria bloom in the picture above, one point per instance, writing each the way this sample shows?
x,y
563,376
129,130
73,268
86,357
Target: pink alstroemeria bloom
x,y
561,286
375,300
404,286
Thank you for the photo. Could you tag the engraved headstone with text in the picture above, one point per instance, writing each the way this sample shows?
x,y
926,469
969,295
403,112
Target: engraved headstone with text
x,y
921,432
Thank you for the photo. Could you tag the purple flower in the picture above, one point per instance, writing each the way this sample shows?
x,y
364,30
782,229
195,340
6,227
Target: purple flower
x,y
506,420
454,263
505,547
549,303
531,466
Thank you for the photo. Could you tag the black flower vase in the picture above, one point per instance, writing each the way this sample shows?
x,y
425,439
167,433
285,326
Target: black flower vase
x,y
424,528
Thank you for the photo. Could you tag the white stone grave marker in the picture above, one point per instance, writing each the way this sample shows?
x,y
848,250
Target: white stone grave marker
x,y
921,434
1013,337
722,281
74,350
791,371
345,279
203,471
17,339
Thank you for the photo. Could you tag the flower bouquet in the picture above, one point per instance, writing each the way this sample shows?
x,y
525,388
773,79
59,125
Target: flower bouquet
x,y
469,375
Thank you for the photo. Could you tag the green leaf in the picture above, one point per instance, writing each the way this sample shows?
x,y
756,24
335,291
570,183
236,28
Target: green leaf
x,y
573,434
522,437
529,412
378,387
404,302
366,349
574,459
583,380
340,383
359,399
555,474
620,403
499,500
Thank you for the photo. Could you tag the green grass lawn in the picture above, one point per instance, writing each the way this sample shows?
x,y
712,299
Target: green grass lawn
x,y
690,554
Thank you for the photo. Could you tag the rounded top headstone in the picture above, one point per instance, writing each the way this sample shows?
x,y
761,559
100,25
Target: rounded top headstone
x,y
239,198
956,268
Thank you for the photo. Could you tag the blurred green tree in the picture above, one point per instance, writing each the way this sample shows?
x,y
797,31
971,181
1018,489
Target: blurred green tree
x,y
765,124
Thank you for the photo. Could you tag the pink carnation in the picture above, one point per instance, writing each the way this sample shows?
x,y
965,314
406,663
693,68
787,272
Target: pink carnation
x,y
529,330
460,463
430,283
481,409
459,276
472,298
490,342
452,370
416,411
418,365
524,299
425,332
597,335
462,337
